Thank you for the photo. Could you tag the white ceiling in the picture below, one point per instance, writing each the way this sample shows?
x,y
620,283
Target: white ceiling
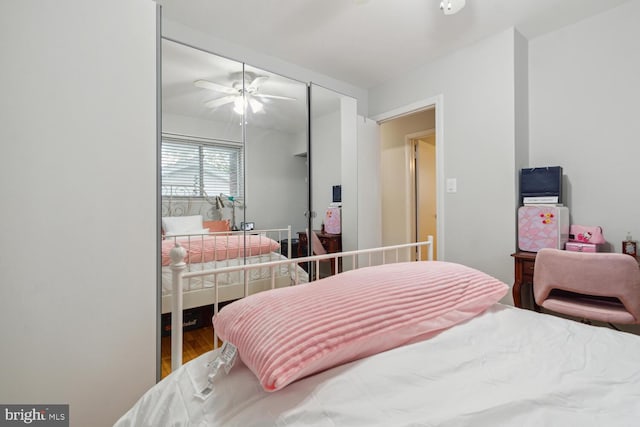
x,y
367,42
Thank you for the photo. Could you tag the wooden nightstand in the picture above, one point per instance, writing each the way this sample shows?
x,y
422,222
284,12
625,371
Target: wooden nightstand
x,y
524,265
332,243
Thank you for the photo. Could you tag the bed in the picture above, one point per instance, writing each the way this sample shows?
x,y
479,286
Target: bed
x,y
211,244
412,343
205,226
215,250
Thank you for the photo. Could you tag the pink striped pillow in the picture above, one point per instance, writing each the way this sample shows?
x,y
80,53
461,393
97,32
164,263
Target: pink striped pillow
x,y
288,333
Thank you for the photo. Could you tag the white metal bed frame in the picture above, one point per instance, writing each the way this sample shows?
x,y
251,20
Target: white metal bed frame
x,y
207,295
183,200
359,258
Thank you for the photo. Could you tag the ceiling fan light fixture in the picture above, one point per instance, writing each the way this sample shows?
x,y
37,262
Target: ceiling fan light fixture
x,y
240,96
238,105
256,106
449,7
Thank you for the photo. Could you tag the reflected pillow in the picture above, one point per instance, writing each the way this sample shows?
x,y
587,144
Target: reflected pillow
x,y
215,226
181,224
286,334
186,235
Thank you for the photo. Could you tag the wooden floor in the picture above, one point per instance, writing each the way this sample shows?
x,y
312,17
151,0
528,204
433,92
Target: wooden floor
x,y
195,343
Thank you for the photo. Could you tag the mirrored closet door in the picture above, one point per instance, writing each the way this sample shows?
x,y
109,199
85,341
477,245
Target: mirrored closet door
x,y
237,131
334,168
202,135
232,137
237,150
275,134
232,179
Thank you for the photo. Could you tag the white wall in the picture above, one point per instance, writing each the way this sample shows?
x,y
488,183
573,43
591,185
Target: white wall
x,y
584,95
78,182
521,106
477,87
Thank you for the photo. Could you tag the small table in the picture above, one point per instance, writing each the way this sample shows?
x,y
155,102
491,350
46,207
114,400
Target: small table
x,y
524,265
332,243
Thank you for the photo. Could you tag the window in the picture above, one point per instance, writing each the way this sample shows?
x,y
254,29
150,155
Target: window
x,y
195,167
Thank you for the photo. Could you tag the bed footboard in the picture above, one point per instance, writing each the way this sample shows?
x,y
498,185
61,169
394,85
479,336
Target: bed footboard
x,y
223,249
356,259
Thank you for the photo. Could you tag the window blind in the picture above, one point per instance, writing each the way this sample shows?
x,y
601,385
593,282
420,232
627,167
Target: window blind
x,y
195,167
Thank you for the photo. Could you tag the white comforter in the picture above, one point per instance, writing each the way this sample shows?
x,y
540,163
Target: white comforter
x,y
506,367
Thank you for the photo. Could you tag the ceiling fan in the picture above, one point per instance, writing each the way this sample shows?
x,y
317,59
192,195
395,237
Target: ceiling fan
x,y
241,96
449,7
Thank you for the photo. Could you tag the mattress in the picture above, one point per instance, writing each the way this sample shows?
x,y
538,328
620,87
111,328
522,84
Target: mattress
x,y
505,367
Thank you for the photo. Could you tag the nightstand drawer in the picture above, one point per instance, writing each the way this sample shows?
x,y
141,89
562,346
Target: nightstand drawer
x,y
524,266
527,270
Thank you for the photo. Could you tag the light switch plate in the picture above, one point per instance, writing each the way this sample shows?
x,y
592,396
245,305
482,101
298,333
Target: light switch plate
x,y
452,185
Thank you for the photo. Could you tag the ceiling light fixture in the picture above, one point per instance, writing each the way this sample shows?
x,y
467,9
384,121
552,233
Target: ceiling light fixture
x,y
256,106
240,104
243,92
449,7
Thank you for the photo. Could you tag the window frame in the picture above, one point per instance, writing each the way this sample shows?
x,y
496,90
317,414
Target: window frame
x,y
199,188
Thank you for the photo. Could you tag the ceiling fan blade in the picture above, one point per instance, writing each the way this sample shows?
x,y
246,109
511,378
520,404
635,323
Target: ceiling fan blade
x,y
256,83
263,95
215,103
215,86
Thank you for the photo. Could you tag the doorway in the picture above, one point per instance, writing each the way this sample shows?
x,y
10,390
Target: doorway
x,y
409,177
391,167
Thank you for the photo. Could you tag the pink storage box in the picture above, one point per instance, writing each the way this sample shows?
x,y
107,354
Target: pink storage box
x,y
581,247
333,221
541,226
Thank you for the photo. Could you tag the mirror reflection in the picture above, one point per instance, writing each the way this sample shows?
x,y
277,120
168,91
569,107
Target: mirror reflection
x,y
236,155
236,147
333,151
233,130
275,135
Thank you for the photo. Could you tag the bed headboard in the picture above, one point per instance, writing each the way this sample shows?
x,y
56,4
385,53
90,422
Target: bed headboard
x,y
178,200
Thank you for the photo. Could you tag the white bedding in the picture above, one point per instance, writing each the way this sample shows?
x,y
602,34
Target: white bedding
x,y
506,367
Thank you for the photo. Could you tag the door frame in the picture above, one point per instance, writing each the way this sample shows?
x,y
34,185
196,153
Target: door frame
x,y
412,186
436,102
